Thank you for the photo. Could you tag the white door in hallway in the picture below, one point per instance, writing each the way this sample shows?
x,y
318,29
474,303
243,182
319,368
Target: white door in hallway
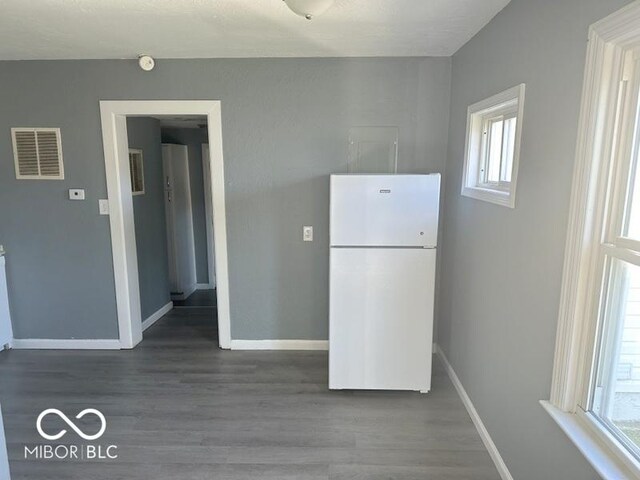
x,y
179,218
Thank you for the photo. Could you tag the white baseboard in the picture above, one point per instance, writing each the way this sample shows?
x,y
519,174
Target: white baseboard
x,y
477,421
64,344
187,291
204,286
153,318
279,345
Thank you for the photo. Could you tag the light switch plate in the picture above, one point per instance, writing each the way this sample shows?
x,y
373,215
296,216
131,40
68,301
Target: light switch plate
x,y
76,194
307,233
103,205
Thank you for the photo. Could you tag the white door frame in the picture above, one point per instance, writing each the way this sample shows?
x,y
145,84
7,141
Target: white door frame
x,y
210,226
123,242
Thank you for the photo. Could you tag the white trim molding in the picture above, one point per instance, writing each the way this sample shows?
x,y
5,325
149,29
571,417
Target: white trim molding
x,y
204,286
125,263
187,292
153,318
65,344
210,226
501,466
279,345
605,461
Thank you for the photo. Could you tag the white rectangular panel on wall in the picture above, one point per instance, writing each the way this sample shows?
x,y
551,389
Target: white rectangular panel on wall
x,y
37,153
373,150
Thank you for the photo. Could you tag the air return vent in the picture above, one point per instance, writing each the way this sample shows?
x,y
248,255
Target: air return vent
x,y
37,153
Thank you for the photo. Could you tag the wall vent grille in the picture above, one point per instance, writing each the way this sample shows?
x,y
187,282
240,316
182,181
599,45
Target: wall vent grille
x,y
37,153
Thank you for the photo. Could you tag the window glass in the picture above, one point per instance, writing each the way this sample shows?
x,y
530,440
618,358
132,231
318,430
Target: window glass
x,y
616,398
632,229
508,149
632,215
494,153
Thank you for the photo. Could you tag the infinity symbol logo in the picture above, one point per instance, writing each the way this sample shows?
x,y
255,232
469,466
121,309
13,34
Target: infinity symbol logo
x,y
60,434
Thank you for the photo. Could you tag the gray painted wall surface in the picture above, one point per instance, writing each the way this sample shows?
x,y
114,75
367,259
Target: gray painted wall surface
x,y
149,217
501,269
194,138
285,127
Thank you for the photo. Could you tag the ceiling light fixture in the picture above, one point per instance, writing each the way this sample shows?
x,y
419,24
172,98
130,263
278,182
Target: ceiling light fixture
x,y
309,8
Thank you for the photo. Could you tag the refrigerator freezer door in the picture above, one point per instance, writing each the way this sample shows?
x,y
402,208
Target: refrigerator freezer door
x,y
381,318
384,210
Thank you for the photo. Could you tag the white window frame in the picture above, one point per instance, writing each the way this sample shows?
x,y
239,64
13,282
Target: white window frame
x,y
507,104
137,151
598,167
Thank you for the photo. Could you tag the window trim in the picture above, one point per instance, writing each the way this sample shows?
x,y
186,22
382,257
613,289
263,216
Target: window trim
x,y
476,149
598,128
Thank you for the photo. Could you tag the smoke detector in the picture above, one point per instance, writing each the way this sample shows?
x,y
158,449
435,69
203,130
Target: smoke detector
x,y
146,62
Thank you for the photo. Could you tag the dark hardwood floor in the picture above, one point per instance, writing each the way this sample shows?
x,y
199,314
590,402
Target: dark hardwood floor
x,y
179,408
199,298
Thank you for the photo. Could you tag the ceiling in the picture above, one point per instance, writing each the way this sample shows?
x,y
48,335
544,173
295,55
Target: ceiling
x,y
91,29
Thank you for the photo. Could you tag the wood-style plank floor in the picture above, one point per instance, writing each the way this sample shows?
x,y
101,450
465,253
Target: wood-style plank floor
x,y
178,408
199,298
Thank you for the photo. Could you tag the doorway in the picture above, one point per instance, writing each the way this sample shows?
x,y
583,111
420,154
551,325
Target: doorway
x,y
119,187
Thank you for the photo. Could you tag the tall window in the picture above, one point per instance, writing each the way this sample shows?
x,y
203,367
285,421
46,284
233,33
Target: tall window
x,y
595,394
614,394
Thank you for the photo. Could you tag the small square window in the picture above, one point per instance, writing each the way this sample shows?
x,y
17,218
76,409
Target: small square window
x,y
136,167
492,148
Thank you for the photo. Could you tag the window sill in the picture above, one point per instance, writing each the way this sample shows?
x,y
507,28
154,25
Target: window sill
x,y
600,455
499,197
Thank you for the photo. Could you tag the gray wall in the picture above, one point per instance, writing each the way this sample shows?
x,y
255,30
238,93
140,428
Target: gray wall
x,y
285,127
194,138
501,269
149,217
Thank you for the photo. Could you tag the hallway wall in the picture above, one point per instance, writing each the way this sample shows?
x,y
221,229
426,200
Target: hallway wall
x,y
502,267
149,217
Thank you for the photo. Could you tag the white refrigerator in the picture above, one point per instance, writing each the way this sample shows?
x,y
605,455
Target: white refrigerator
x,y
383,238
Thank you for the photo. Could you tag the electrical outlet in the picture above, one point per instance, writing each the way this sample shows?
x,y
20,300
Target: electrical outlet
x,y
307,233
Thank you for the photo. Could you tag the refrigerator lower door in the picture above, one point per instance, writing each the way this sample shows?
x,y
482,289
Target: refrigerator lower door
x,y
381,318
